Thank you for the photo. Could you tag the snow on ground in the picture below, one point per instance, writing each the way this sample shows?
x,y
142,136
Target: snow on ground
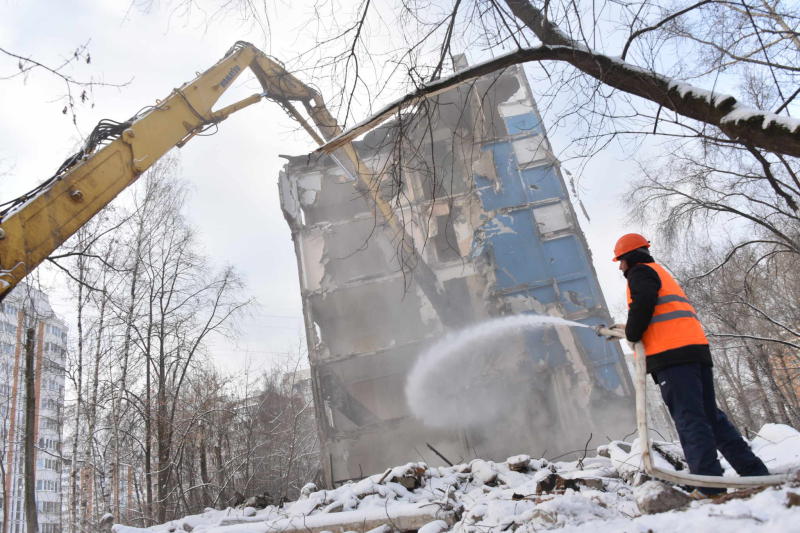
x,y
598,495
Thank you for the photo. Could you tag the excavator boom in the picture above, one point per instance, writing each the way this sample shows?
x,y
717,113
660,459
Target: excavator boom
x,y
116,154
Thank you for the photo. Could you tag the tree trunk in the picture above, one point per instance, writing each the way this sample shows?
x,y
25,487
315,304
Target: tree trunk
x,y
148,451
31,518
73,474
204,478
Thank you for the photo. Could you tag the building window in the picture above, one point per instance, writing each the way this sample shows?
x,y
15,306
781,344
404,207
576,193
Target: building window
x,y
445,241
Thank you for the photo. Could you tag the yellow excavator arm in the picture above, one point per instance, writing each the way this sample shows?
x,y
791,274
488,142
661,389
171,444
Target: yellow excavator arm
x,y
116,154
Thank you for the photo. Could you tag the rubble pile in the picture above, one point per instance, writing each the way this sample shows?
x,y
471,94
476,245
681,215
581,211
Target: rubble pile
x,y
604,492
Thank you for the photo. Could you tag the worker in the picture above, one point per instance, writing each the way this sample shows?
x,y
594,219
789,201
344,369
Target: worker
x,y
679,360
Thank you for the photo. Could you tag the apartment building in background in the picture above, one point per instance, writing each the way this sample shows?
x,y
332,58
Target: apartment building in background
x,y
27,308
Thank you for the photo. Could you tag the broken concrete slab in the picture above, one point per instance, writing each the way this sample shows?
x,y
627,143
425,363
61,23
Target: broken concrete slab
x,y
658,497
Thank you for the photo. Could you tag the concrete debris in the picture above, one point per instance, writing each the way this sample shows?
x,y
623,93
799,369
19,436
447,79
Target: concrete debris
x,y
672,454
437,526
658,497
555,483
409,475
519,463
307,489
482,472
792,499
518,494
627,458
385,528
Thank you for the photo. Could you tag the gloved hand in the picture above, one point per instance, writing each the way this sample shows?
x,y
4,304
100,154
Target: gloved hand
x,y
618,328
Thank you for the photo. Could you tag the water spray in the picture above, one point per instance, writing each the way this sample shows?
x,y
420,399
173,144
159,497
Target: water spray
x,y
448,384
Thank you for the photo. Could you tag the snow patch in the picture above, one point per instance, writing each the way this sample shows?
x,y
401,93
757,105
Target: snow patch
x,y
744,113
487,497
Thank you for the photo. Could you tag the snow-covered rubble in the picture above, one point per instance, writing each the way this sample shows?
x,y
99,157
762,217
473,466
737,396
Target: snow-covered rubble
x,y
597,494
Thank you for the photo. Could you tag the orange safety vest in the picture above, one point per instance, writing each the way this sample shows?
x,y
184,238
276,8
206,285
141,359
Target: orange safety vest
x,y
674,323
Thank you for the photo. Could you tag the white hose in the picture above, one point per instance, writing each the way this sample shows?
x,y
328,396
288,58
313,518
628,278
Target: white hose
x,y
650,469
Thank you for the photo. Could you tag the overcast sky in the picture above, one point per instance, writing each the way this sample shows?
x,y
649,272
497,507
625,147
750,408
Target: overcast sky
x,y
234,201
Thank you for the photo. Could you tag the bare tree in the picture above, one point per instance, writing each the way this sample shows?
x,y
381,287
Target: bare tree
x,y
149,304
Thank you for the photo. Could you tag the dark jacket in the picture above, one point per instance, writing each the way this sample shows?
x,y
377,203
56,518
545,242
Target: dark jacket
x,y
644,285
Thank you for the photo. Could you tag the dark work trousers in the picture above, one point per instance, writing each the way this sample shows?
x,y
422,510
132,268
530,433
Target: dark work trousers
x,y
688,391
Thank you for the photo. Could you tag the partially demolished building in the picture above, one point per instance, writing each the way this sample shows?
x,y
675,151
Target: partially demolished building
x,y
472,175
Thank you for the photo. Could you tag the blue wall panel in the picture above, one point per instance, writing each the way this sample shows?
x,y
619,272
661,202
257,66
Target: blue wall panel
x,y
576,294
564,257
510,191
525,123
545,294
516,250
541,183
553,270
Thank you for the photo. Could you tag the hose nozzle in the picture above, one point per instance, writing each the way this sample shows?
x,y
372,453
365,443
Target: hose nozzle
x,y
614,332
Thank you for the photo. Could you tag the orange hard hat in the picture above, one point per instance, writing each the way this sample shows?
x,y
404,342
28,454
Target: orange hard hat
x,y
628,243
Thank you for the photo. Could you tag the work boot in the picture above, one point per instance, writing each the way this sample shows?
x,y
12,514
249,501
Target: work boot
x,y
705,494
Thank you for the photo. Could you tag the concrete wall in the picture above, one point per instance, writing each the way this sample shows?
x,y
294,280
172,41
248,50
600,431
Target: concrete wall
x,y
472,175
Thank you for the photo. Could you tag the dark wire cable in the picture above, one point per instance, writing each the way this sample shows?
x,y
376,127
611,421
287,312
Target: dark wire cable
x,y
104,132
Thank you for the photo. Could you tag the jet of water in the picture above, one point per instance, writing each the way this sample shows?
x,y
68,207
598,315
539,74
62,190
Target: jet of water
x,y
446,386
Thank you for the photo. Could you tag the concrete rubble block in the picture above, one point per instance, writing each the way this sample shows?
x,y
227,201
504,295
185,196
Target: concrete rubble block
x,y
402,517
483,472
657,497
307,489
436,526
595,483
409,475
792,499
385,528
671,453
463,468
552,482
603,451
519,463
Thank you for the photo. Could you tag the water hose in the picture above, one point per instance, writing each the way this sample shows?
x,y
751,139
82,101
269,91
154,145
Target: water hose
x,y
640,383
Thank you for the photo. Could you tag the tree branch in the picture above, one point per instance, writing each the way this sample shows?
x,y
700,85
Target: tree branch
x,y
663,21
744,125
755,338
